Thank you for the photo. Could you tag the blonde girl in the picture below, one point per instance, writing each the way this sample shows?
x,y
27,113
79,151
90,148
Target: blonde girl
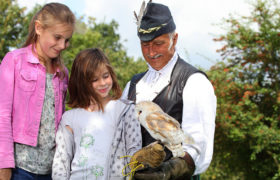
x,y
33,87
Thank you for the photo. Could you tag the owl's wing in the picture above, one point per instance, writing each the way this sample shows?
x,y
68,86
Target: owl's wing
x,y
163,125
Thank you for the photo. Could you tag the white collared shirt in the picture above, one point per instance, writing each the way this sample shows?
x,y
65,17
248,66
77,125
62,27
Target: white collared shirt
x,y
155,81
199,109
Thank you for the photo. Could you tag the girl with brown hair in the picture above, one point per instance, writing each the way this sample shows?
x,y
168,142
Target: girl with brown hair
x,y
100,128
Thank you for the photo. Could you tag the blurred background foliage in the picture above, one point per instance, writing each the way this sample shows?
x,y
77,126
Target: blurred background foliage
x,y
246,82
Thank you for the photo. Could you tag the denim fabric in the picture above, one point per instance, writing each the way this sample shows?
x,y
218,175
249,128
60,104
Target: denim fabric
x,y
20,174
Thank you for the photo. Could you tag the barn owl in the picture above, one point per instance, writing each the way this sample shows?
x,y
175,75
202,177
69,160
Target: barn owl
x,y
162,127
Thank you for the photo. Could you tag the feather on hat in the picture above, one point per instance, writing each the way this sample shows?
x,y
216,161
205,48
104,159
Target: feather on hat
x,y
140,14
153,20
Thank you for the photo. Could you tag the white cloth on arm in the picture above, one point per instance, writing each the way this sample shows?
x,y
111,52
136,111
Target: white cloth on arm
x,y
65,148
199,111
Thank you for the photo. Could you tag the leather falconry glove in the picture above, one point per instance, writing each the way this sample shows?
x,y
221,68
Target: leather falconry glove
x,y
150,156
175,168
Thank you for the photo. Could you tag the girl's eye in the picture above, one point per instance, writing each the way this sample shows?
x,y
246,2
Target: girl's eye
x,y
57,37
106,75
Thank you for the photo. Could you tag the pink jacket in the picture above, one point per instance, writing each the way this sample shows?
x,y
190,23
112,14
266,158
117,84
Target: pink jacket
x,y
22,91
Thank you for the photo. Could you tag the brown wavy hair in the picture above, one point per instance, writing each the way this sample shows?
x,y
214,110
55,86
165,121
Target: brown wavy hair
x,y
48,15
84,67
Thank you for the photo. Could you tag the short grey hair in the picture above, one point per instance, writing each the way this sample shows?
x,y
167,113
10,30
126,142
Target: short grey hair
x,y
171,36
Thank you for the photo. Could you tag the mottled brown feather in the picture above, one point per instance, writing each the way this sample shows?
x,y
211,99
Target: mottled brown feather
x,y
158,121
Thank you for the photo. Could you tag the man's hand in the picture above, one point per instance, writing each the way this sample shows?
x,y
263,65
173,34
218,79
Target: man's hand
x,y
172,169
5,174
150,156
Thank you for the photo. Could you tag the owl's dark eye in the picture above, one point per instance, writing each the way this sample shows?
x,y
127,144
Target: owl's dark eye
x,y
139,112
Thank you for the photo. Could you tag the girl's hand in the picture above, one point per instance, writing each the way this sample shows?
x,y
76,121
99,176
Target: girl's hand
x,y
5,174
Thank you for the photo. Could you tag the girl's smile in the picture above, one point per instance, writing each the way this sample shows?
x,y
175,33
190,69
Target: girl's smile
x,y
102,82
104,90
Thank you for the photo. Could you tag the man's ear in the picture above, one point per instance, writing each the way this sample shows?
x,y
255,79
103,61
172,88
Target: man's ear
x,y
175,38
38,27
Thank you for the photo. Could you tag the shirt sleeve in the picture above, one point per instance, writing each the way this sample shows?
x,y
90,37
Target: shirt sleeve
x,y
64,151
7,79
199,111
125,91
66,83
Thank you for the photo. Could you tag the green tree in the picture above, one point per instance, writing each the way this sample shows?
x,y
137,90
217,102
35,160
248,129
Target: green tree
x,y
247,134
28,17
12,22
104,36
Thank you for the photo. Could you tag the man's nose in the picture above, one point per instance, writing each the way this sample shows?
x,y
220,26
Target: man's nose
x,y
152,52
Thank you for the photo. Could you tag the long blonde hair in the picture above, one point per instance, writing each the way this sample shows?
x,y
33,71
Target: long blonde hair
x,y
47,16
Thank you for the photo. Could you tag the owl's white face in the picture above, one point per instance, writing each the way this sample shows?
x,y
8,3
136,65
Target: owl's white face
x,y
143,109
140,113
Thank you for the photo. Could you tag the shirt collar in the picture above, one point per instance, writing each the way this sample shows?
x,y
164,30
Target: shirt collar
x,y
32,58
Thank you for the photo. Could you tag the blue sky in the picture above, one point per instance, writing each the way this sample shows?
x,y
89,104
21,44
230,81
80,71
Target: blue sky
x,y
195,21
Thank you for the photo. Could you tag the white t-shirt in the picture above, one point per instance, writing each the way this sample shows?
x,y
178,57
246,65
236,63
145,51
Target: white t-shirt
x,y
93,134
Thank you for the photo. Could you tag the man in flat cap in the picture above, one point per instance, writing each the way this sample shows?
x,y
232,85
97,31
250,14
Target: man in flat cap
x,y
181,90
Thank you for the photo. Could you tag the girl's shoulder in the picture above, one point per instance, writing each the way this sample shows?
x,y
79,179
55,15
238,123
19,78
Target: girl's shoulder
x,y
121,103
72,112
121,106
124,102
20,54
22,51
70,115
